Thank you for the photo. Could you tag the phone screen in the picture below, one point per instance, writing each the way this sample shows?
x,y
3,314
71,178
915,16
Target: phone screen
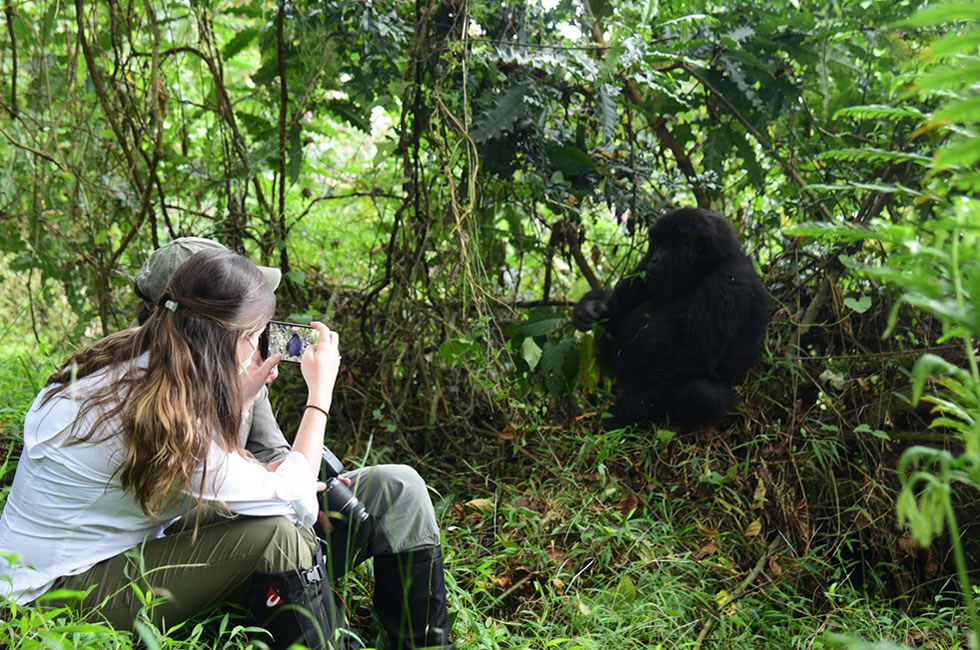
x,y
288,339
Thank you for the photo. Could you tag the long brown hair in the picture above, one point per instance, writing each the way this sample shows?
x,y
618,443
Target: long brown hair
x,y
188,395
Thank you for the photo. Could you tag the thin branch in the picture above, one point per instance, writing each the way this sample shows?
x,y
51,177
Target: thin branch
x,y
27,147
376,192
9,12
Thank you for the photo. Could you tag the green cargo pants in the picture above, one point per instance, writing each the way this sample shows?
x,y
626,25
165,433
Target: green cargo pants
x,y
192,575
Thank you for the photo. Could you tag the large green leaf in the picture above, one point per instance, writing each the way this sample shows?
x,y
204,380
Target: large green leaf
x,y
508,106
570,160
239,42
559,363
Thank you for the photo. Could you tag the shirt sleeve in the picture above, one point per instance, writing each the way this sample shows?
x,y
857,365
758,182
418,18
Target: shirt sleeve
x,y
248,488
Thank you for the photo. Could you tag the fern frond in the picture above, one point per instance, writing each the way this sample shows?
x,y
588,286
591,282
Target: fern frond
x,y
870,154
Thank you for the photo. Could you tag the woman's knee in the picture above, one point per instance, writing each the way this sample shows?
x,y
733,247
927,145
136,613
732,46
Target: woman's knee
x,y
409,519
278,544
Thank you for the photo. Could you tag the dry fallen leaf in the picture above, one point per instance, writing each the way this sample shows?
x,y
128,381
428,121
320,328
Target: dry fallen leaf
x,y
752,530
708,549
628,503
759,496
483,505
707,531
774,568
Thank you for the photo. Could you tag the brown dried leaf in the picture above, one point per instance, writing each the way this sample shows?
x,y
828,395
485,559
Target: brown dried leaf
x,y
708,549
628,503
759,496
774,568
482,505
909,545
752,530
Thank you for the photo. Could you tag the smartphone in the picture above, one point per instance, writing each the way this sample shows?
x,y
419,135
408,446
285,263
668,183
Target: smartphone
x,y
288,339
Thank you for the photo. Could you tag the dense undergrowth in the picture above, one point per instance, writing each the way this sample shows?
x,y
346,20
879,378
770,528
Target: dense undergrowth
x,y
557,536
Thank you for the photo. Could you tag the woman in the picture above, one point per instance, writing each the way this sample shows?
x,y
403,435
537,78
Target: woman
x,y
143,425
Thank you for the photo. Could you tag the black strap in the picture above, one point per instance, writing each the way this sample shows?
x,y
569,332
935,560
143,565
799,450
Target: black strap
x,y
319,570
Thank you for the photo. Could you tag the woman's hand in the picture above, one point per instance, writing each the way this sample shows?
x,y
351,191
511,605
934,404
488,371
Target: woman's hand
x,y
320,364
257,375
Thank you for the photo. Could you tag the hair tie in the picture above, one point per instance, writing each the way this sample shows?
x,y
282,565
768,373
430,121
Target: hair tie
x,y
171,305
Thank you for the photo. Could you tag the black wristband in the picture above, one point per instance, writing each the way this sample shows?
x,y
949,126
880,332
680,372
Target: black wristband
x,y
314,406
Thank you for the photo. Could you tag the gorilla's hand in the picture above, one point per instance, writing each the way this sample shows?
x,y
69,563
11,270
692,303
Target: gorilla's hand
x,y
589,309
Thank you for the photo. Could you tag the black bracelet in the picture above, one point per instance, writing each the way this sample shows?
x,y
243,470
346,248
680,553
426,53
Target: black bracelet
x,y
314,406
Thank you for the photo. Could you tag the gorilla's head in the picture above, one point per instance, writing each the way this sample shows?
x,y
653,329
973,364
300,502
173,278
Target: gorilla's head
x,y
685,245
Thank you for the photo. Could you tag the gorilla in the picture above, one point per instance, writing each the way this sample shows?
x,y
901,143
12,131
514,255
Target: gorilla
x,y
683,326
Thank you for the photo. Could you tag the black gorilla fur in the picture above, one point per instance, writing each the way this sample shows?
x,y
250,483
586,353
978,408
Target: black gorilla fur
x,y
683,326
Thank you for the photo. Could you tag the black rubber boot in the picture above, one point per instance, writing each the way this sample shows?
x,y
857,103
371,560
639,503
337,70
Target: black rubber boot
x,y
299,607
410,599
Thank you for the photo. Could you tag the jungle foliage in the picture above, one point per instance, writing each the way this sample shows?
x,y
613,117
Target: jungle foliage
x,y
442,179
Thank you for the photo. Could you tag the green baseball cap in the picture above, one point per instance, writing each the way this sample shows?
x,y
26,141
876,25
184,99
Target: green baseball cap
x,y
154,275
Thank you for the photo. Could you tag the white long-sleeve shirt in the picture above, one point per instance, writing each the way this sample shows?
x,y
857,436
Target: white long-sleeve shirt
x,y
67,511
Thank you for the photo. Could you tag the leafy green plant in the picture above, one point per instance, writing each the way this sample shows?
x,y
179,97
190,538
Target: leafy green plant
x,y
934,266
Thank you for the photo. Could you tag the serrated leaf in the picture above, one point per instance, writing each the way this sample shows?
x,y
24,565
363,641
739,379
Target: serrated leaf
x,y
610,64
741,33
943,14
963,154
871,154
349,112
256,126
606,112
239,42
508,106
880,111
961,111
955,43
947,79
